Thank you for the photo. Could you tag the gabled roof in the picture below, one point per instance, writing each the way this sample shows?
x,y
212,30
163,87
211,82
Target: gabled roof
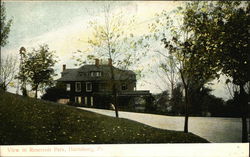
x,y
82,73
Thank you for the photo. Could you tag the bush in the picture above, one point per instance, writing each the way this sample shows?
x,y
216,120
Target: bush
x,y
54,93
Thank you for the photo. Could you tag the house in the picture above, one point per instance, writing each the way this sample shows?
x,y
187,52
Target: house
x,y
91,85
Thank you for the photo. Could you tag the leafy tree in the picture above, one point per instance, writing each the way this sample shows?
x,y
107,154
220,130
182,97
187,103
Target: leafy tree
x,y
8,69
232,106
5,26
180,42
213,105
222,30
4,30
37,67
162,102
53,93
231,88
111,39
176,101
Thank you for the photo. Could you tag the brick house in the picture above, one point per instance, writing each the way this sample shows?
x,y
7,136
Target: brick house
x,y
90,85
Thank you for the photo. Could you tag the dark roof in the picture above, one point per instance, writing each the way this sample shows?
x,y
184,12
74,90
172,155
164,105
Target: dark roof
x,y
83,73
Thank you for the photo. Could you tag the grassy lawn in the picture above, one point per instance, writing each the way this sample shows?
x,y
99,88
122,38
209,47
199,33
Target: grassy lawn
x,y
31,121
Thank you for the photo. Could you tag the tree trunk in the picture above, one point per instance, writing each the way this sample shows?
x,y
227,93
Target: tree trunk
x,y
0,65
114,91
186,103
116,106
4,86
36,88
186,112
244,110
24,91
172,89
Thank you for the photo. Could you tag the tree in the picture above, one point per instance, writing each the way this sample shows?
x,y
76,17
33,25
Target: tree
x,y
214,105
161,102
167,67
180,42
222,29
37,67
170,71
176,101
231,88
112,40
199,99
4,30
8,69
176,40
54,93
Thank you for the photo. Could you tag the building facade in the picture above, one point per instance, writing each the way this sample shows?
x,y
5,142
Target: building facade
x,y
91,85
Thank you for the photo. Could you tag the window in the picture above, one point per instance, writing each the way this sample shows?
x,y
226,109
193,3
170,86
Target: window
x,y
124,86
98,74
91,101
78,99
78,86
85,100
88,86
67,87
95,73
135,87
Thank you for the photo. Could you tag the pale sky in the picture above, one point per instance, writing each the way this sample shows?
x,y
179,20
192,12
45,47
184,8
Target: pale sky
x,y
63,26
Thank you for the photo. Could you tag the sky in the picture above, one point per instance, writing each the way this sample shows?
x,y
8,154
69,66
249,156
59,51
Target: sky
x,y
63,25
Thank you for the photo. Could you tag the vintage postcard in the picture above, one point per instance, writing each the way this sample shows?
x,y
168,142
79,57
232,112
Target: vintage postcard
x,y
124,78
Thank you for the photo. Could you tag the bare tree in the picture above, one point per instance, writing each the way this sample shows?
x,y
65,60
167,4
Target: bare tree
x,y
112,39
4,32
169,70
8,69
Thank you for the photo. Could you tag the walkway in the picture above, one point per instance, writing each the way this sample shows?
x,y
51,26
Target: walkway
x,y
218,130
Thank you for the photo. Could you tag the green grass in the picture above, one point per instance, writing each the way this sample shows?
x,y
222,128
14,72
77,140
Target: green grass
x,y
31,121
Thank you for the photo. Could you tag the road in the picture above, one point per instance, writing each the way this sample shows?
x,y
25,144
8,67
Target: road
x,y
214,129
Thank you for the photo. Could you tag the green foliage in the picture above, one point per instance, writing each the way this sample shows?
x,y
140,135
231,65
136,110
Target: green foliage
x,y
181,44
214,106
37,68
31,121
177,101
206,38
222,31
161,101
54,93
111,38
4,26
4,33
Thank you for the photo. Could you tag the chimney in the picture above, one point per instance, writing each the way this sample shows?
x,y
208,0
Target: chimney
x,y
110,62
64,67
97,62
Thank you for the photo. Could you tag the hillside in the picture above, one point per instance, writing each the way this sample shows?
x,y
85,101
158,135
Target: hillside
x,y
31,121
